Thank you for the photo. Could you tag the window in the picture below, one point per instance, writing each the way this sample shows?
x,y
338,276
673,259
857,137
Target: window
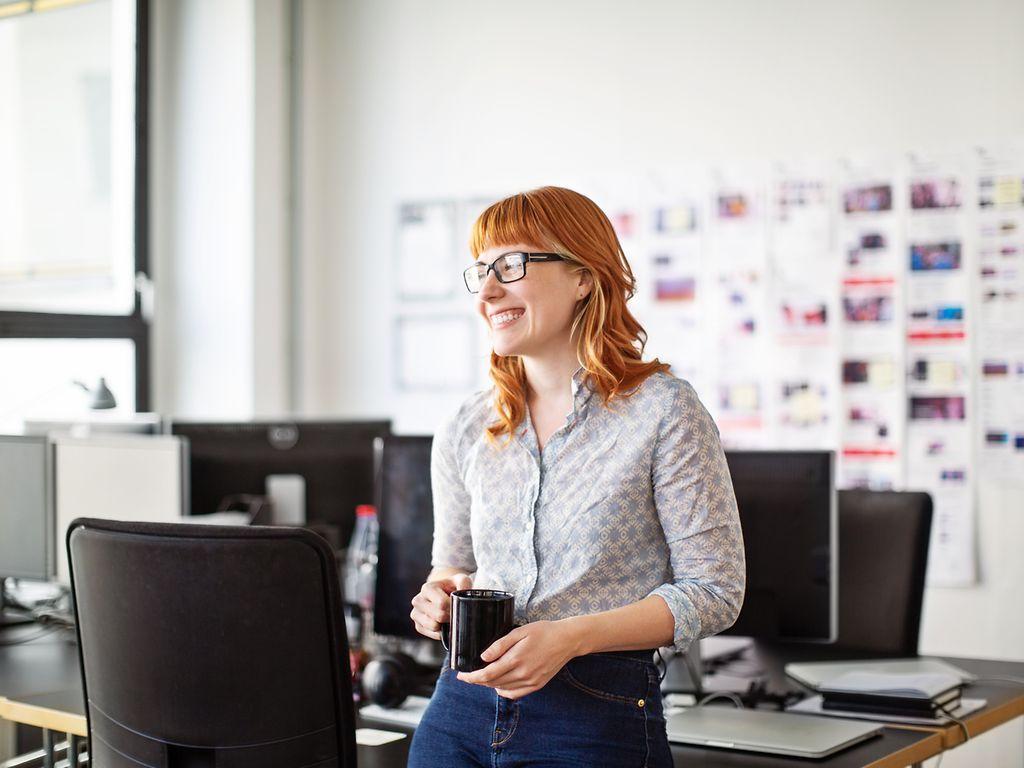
x,y
73,193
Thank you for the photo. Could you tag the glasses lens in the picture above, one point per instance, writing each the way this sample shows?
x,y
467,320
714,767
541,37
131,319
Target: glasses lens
x,y
511,266
474,277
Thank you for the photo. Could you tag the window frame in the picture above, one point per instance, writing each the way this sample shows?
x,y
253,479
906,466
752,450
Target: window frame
x,y
15,324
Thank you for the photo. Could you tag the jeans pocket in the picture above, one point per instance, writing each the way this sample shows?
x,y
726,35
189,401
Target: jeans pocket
x,y
610,678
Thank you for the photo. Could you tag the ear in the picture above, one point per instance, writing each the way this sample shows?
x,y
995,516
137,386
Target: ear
x,y
585,283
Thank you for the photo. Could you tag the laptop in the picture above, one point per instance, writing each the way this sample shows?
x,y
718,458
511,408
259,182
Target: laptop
x,y
758,730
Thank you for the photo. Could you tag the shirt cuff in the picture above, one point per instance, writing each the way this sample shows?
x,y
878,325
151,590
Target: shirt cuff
x,y
687,622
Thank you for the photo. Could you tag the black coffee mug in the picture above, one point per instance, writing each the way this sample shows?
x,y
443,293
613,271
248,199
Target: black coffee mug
x,y
479,617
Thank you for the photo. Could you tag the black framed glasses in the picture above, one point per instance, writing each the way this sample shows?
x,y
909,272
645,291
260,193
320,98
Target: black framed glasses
x,y
508,268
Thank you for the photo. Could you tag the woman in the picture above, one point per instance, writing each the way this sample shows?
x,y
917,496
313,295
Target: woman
x,y
588,483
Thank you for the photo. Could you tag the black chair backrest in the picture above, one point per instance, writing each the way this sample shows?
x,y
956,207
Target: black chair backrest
x,y
883,555
210,646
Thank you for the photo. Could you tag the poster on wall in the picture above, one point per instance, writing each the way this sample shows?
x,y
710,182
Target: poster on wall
x,y
660,230
802,308
939,359
870,242
1000,305
737,275
425,264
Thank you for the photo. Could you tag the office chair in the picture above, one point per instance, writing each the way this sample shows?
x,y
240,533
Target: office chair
x,y
210,646
883,554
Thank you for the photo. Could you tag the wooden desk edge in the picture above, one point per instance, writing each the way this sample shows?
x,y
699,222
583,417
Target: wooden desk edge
x,y
983,721
43,717
917,752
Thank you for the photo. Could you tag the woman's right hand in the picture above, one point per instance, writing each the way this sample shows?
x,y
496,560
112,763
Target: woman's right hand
x,y
432,607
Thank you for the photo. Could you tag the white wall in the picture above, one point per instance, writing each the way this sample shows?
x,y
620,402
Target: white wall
x,y
219,207
405,98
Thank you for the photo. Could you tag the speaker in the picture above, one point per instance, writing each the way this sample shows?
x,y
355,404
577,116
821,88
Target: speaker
x,y
389,679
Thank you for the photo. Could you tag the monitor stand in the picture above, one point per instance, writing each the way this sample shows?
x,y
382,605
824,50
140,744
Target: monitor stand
x,y
9,615
684,672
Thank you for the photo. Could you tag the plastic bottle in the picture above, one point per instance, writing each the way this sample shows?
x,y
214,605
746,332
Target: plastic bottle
x,y
361,559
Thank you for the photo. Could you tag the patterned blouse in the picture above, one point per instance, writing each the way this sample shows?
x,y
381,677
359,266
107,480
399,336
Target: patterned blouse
x,y
625,501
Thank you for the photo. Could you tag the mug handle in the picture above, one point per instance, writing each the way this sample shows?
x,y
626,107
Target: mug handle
x,y
446,628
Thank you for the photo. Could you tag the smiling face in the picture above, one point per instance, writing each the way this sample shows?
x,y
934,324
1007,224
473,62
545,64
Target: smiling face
x,y
532,316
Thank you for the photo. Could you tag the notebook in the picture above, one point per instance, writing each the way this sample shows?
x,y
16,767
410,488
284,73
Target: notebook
x,y
814,673
813,706
757,730
890,692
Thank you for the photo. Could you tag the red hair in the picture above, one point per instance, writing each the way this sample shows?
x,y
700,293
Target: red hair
x,y
609,340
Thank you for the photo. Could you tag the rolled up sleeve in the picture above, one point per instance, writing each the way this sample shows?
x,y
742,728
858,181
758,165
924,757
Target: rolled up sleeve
x,y
453,540
696,506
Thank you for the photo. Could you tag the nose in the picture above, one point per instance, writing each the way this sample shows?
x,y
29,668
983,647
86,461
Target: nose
x,y
490,288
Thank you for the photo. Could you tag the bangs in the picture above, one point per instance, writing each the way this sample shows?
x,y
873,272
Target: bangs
x,y
512,220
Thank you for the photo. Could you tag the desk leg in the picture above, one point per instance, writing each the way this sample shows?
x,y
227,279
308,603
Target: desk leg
x,y
47,748
6,740
74,747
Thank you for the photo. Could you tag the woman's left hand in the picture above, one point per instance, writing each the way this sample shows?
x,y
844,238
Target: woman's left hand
x,y
524,660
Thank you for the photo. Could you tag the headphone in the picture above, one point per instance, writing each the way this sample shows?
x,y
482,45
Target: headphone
x,y
389,679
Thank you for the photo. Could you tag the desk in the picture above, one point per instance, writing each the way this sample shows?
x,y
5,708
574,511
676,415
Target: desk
x,y
1004,701
40,685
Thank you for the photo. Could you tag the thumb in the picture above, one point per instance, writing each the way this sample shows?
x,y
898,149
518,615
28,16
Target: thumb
x,y
462,581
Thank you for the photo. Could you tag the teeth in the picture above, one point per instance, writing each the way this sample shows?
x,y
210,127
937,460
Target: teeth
x,y
506,317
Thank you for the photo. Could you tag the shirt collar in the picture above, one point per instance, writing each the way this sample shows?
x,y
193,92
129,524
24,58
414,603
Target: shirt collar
x,y
582,387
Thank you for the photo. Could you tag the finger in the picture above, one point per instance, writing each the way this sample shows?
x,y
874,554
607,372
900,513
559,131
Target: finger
x,y
515,679
430,613
428,632
438,592
515,693
500,647
422,608
425,619
462,581
494,671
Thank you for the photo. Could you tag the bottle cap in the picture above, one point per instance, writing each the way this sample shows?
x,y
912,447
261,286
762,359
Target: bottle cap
x,y
366,510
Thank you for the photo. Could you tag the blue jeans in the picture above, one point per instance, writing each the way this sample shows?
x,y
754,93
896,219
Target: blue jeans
x,y
599,710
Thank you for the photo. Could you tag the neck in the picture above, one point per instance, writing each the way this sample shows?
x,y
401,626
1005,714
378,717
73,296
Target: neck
x,y
550,377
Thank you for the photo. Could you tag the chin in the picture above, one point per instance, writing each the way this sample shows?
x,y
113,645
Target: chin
x,y
504,350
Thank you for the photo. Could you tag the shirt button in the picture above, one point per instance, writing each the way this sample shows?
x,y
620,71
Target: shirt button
x,y
640,703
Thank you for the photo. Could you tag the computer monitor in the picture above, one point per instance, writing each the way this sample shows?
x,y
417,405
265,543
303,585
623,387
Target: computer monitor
x,y
787,505
26,514
325,466
140,478
405,512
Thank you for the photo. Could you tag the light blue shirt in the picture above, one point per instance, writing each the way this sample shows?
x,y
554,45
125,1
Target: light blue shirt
x,y
625,501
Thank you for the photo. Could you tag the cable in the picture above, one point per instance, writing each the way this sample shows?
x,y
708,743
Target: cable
x,y
662,666
957,720
722,695
30,638
998,679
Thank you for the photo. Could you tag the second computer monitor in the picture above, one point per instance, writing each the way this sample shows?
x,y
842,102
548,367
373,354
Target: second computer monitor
x,y
26,508
117,477
787,506
326,466
405,511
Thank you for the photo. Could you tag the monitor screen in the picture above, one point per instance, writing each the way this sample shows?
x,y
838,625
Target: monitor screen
x,y
26,508
117,477
330,461
787,505
405,512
